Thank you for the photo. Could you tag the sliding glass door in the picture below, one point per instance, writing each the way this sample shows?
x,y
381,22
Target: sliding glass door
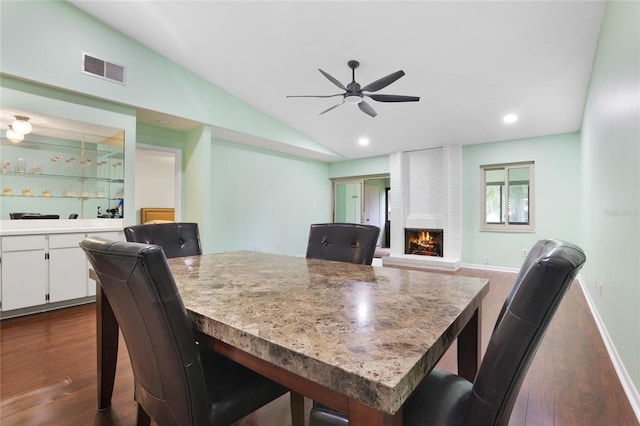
x,y
348,203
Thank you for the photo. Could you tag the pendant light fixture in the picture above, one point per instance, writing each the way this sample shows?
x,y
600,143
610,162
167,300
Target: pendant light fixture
x,y
21,125
14,136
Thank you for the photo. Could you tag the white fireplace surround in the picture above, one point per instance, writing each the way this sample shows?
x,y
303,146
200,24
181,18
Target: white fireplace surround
x,y
426,193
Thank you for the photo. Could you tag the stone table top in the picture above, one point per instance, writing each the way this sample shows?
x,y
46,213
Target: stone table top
x,y
371,333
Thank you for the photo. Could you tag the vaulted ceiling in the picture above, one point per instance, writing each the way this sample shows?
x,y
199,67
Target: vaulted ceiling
x,y
469,62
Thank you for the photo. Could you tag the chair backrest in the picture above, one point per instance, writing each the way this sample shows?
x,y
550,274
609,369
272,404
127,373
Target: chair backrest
x,y
541,284
137,281
17,215
40,216
345,242
177,239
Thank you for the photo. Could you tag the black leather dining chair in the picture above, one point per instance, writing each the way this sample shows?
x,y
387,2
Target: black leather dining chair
x,y
177,382
18,215
177,239
445,399
345,242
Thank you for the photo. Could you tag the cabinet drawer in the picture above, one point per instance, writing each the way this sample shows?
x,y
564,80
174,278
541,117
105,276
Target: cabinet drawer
x,y
23,242
65,240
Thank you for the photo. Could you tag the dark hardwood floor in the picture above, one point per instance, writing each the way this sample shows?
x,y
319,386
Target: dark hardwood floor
x,y
48,371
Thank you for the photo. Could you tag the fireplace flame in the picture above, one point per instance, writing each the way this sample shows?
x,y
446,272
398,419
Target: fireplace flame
x,y
423,243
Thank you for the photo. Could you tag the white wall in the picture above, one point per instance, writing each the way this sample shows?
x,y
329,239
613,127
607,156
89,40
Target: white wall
x,y
155,180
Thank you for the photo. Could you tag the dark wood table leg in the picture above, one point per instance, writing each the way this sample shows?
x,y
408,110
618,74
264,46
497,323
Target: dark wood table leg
x,y
297,409
469,349
107,331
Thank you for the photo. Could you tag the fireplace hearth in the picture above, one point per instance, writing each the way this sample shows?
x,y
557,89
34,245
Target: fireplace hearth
x,y
424,242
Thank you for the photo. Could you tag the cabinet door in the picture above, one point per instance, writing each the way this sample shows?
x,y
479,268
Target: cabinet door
x,y
67,268
24,272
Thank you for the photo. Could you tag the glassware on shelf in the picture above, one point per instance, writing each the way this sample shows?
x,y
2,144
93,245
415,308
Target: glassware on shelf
x,y
7,166
68,191
21,165
86,163
117,167
37,169
70,162
101,166
54,163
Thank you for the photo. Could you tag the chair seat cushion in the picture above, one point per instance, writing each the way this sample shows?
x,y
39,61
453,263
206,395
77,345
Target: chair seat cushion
x,y
234,391
441,399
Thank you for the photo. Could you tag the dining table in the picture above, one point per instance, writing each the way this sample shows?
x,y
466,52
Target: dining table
x,y
356,338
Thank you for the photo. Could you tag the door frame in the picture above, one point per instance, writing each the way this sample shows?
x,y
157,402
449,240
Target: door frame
x,y
334,198
355,179
177,174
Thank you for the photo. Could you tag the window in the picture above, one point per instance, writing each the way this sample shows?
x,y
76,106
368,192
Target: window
x,y
507,197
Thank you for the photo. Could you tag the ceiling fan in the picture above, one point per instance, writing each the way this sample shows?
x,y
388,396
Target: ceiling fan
x,y
354,94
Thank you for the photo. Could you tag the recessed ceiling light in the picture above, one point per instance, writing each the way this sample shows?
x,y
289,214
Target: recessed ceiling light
x,y
162,122
363,141
510,118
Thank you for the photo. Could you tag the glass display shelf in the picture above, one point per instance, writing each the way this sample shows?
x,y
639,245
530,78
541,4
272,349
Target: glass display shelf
x,y
70,177
55,170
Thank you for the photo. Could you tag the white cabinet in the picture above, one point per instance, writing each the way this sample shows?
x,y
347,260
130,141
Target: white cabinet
x,y
38,270
24,271
67,267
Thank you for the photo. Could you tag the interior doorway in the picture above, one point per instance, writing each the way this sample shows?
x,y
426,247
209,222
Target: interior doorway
x,y
158,179
362,200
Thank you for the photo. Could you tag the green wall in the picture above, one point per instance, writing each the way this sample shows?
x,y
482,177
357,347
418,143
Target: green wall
x,y
265,201
557,196
361,167
55,33
246,198
611,182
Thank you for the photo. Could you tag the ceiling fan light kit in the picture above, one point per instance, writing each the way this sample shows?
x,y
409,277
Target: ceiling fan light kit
x,y
354,93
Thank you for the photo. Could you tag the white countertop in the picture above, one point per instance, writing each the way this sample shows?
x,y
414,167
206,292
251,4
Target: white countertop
x,y
58,226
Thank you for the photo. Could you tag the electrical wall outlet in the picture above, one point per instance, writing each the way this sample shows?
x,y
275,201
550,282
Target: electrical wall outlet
x,y
601,286
486,260
524,252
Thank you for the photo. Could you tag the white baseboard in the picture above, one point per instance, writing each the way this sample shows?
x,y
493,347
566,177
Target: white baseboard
x,y
490,268
630,390
627,384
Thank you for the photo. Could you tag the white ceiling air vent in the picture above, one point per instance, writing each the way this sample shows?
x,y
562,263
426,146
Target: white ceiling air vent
x,y
104,69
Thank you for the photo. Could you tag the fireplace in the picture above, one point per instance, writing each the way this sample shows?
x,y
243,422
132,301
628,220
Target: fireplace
x,y
424,242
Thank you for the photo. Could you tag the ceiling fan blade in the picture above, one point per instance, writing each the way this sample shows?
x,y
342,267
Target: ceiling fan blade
x,y
394,98
335,106
314,96
366,108
383,82
333,80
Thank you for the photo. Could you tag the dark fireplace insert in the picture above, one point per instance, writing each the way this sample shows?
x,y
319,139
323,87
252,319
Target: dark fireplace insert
x,y
424,242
